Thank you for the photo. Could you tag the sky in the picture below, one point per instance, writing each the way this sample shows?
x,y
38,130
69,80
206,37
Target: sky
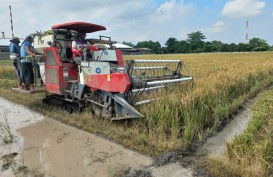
x,y
141,20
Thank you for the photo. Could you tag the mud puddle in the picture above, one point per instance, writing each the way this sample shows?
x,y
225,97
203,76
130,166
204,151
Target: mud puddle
x,y
171,170
15,116
60,150
12,117
216,145
56,149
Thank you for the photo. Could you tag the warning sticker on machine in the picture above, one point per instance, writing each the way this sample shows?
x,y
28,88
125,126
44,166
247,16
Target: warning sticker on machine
x,y
108,77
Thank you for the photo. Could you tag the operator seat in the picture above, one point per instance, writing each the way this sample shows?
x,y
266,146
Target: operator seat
x,y
68,50
88,56
68,53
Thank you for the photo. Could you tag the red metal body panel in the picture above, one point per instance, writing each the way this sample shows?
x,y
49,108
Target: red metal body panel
x,y
52,82
55,78
82,27
116,82
120,58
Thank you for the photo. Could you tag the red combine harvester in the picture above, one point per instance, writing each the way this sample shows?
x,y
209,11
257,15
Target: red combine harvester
x,y
101,79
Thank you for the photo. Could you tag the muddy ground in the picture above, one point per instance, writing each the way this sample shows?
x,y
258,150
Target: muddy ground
x,y
55,149
214,145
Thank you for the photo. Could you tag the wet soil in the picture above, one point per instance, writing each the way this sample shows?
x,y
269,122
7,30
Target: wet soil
x,y
58,150
16,117
61,150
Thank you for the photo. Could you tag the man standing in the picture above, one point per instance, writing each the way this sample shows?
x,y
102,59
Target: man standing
x,y
27,54
14,50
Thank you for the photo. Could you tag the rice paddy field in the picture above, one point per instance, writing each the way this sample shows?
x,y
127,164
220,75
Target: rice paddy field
x,y
186,115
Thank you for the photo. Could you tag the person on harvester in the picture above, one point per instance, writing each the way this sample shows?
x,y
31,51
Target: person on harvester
x,y
80,46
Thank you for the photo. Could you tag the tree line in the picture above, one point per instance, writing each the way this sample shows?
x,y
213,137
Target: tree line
x,y
195,43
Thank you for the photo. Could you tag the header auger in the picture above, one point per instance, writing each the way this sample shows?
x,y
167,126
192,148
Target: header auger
x,y
101,79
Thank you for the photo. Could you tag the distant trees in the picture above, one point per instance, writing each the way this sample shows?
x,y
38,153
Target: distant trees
x,y
209,47
172,45
183,47
257,44
241,47
195,43
128,43
154,46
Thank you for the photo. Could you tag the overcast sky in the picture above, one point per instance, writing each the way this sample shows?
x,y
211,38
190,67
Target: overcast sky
x,y
139,20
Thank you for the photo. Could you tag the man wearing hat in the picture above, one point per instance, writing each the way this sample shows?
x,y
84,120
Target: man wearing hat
x,y
14,50
27,54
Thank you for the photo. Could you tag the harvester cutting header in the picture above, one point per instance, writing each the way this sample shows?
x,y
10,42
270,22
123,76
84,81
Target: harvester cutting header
x,y
98,77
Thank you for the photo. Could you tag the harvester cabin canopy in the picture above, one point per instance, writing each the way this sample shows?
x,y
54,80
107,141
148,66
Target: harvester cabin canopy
x,y
82,27
60,35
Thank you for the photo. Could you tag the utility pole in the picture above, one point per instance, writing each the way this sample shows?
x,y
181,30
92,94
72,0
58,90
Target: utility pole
x,y
246,37
11,25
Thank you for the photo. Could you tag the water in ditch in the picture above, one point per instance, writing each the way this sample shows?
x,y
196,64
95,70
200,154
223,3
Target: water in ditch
x,y
216,145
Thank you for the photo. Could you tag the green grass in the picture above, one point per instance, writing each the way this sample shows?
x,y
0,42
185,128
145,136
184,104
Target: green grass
x,y
251,153
6,62
5,132
8,73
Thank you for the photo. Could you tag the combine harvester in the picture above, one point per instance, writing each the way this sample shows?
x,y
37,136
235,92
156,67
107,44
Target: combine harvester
x,y
101,80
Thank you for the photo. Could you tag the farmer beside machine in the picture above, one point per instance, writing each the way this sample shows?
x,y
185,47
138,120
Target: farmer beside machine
x,y
14,50
100,78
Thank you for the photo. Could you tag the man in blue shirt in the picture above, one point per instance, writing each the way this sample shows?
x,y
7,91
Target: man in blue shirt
x,y
14,50
27,54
